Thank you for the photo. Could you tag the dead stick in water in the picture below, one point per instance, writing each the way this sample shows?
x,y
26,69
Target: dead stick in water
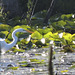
x,y
50,61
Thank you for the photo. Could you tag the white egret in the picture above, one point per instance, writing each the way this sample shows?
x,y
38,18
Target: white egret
x,y
4,46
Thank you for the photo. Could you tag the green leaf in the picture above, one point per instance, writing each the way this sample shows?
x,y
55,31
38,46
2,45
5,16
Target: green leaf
x,y
24,65
45,31
40,14
37,61
25,27
16,27
55,36
5,32
73,36
67,36
36,35
17,50
23,62
72,67
64,71
61,23
34,60
4,27
13,68
66,16
48,35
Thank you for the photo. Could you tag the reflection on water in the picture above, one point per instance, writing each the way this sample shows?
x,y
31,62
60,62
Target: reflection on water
x,y
36,62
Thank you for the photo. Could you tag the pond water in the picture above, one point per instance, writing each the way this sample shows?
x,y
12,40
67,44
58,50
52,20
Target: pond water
x,y
32,62
35,62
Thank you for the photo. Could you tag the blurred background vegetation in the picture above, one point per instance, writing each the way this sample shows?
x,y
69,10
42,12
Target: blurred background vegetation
x,y
35,12
43,17
20,7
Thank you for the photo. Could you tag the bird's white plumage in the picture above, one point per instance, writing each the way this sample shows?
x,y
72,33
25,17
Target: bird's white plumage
x,y
2,42
4,46
2,39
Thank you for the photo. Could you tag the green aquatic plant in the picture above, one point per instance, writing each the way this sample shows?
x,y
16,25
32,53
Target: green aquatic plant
x,y
67,39
36,35
40,14
5,32
67,49
14,50
44,31
25,65
72,67
37,61
52,36
48,35
2,35
23,62
13,68
63,22
66,16
64,71
4,27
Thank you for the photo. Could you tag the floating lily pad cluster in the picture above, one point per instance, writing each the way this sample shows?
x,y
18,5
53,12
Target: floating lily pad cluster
x,y
64,22
41,36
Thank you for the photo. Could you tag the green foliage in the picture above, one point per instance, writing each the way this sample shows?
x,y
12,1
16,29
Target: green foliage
x,y
14,21
37,61
72,67
67,49
5,32
61,23
66,16
48,35
36,35
25,65
44,31
64,71
52,36
37,18
26,27
16,27
29,12
39,44
41,14
64,21
57,25
0,11
14,50
19,35
2,35
23,44
37,22
4,27
67,36
23,62
10,37
13,68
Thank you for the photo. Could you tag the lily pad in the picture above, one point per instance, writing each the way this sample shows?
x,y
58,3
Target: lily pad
x,y
36,35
